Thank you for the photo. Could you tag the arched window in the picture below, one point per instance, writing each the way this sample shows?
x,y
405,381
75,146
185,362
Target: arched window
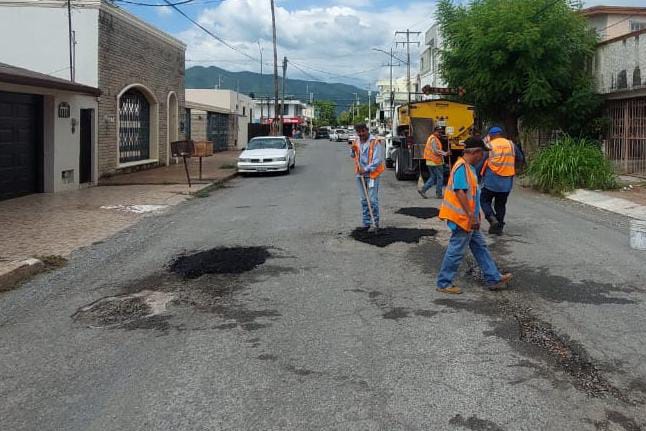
x,y
134,126
637,77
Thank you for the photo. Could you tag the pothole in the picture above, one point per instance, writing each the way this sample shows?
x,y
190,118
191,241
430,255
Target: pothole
x,y
220,260
390,235
122,310
419,212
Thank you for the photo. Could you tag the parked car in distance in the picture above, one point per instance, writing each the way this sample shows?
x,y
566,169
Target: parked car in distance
x,y
267,154
352,135
321,133
338,135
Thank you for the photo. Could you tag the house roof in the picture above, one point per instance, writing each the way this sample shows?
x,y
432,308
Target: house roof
x,y
18,75
613,10
204,107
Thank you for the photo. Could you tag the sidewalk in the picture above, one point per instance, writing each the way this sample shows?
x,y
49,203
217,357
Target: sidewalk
x,y
44,224
629,201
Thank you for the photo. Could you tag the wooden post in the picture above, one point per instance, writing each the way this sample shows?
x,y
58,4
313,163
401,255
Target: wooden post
x,y
188,177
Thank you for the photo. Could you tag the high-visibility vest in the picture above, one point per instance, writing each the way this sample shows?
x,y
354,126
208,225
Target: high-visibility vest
x,y
502,158
451,208
432,150
371,150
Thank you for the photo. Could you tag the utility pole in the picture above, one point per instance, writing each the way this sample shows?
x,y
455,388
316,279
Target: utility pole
x,y
408,44
261,86
369,111
273,25
282,107
313,113
71,41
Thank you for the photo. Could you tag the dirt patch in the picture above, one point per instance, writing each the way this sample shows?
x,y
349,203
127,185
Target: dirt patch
x,y
474,423
391,235
126,311
419,212
221,260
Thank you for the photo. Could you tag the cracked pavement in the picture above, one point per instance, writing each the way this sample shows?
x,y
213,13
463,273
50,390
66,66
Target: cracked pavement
x,y
331,333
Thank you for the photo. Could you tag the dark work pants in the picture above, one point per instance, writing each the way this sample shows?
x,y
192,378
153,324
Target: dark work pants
x,y
499,200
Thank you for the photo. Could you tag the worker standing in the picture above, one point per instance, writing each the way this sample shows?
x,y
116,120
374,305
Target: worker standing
x,y
434,157
369,165
461,209
498,173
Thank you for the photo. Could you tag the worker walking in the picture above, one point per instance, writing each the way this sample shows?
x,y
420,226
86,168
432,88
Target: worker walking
x,y
498,171
434,157
461,209
369,165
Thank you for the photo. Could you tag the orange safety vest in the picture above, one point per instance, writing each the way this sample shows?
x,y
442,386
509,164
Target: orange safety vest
x,y
502,158
432,150
451,208
357,154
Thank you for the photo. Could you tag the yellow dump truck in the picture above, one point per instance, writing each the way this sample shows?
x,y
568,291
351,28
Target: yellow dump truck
x,y
416,122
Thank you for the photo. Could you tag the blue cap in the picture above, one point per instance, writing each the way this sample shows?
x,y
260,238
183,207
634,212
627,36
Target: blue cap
x,y
495,130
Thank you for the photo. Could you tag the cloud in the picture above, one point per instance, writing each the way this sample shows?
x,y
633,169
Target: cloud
x,y
164,11
331,43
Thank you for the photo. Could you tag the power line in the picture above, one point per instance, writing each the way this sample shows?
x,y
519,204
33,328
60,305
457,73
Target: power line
x,y
207,31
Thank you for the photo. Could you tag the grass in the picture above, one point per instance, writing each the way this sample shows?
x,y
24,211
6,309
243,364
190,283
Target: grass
x,y
52,261
570,163
228,165
206,191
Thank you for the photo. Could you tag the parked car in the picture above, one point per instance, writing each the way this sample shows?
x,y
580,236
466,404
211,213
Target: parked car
x,y
352,136
338,135
321,133
267,154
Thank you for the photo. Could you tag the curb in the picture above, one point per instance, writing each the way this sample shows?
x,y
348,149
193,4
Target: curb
x,y
19,271
214,183
608,203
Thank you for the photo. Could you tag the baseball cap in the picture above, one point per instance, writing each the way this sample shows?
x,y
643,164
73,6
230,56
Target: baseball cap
x,y
474,143
495,130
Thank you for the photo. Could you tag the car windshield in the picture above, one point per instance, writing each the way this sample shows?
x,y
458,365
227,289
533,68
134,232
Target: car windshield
x,y
340,131
267,144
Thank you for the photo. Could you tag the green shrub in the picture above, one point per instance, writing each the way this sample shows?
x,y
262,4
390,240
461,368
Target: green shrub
x,y
570,163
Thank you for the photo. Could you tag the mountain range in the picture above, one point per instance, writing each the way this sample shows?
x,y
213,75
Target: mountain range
x,y
263,86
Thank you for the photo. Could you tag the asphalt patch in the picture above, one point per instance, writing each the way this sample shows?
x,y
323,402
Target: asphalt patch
x,y
221,260
474,423
390,235
419,212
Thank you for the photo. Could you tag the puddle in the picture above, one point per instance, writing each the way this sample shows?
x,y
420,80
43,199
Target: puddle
x,y
221,260
419,212
391,235
124,310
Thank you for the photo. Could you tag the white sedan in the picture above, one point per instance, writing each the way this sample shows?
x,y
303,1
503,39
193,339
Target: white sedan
x,y
267,154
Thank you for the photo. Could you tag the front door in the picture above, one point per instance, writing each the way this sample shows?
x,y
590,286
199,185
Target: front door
x,y
85,154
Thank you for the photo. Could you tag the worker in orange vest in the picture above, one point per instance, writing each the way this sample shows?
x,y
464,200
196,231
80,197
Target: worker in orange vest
x,y
498,173
461,210
434,156
368,157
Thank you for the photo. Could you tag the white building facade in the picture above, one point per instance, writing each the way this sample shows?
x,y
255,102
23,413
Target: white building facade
x,y
429,63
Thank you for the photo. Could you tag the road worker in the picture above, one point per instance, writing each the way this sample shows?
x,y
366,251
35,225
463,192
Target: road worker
x,y
497,173
461,209
434,157
368,156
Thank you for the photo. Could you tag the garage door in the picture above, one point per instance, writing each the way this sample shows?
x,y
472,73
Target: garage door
x,y
20,137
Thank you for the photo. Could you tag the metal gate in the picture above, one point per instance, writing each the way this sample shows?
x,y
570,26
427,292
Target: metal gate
x,y
134,127
217,130
626,143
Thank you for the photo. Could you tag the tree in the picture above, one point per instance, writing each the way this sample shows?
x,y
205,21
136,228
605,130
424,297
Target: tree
x,y
325,113
360,114
520,60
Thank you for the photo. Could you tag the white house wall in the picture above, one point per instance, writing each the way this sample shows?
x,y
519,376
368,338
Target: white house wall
x,y
48,47
614,57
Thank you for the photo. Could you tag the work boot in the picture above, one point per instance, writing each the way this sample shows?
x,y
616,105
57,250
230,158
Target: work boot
x,y
494,226
453,290
504,280
422,194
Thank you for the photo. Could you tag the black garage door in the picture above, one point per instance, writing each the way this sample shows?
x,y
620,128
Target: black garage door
x,y
20,144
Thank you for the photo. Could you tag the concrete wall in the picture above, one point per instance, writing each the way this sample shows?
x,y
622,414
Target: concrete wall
x,y
130,54
198,125
615,58
36,38
61,146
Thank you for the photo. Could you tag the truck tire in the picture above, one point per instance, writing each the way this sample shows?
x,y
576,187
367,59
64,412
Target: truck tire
x,y
390,163
399,166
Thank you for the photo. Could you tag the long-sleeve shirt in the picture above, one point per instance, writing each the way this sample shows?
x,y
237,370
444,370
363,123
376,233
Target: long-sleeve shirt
x,y
377,155
496,183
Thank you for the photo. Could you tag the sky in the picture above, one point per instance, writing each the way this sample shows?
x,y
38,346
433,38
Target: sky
x,y
325,40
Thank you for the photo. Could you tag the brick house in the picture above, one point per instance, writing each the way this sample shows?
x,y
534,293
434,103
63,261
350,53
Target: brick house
x,y
138,68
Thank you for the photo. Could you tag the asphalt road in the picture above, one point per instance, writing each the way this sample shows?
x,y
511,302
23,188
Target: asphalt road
x,y
330,333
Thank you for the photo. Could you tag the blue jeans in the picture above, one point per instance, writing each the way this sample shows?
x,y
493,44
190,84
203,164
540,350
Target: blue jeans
x,y
436,177
373,194
455,253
